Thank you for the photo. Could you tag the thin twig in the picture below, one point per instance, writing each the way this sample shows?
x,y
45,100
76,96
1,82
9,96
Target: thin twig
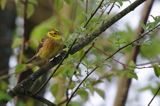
x,y
103,11
45,83
148,63
123,64
80,85
101,51
111,8
41,99
154,96
84,55
140,37
93,13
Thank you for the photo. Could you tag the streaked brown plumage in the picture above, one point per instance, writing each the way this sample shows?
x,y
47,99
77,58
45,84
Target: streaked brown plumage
x,y
49,47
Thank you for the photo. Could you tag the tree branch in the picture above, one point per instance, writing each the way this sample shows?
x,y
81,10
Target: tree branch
x,y
41,99
111,8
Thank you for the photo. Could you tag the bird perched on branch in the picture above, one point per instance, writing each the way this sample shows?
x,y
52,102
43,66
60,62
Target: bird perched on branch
x,y
48,48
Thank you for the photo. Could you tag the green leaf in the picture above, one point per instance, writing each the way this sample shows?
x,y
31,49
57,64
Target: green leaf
x,y
122,38
90,87
120,2
67,70
151,88
153,23
20,68
156,70
74,103
154,90
132,64
132,74
127,73
100,92
83,93
151,49
4,96
148,87
55,89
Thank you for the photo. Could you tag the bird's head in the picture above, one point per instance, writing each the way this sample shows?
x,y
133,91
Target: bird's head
x,y
54,35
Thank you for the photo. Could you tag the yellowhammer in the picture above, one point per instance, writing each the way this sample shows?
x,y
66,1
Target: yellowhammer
x,y
49,47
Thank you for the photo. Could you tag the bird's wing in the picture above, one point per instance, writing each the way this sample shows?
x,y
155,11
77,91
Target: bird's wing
x,y
40,44
35,56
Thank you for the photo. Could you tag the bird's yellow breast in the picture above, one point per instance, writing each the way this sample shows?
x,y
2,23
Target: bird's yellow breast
x,y
50,48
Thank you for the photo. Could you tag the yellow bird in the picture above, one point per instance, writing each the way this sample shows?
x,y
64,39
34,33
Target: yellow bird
x,y
49,47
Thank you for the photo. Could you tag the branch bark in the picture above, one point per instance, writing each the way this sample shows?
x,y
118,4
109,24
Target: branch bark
x,y
124,83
